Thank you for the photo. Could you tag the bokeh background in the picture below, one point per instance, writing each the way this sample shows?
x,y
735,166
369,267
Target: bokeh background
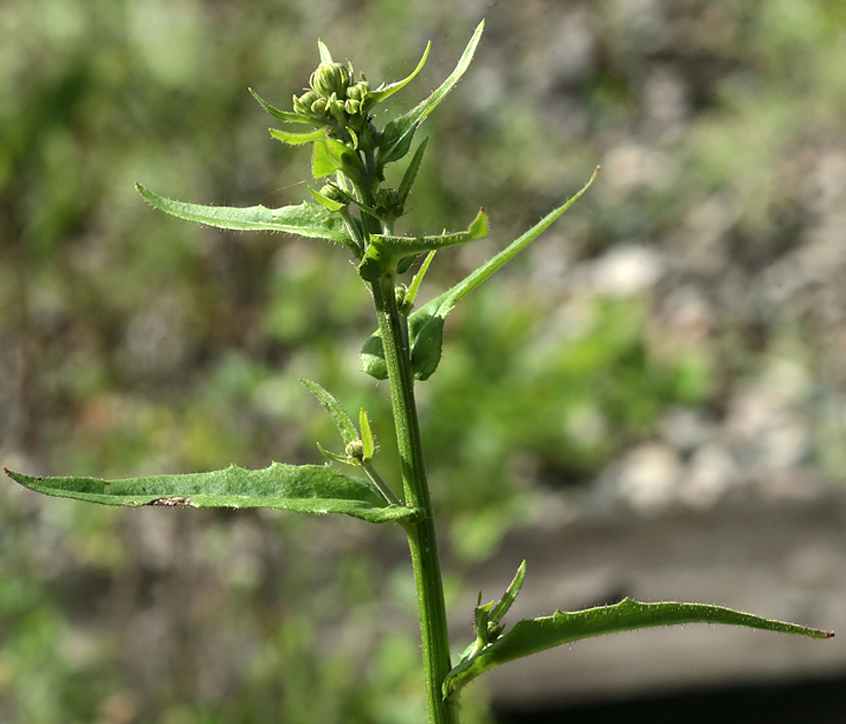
x,y
675,342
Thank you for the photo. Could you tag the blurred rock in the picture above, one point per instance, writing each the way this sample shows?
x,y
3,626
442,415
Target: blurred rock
x,y
712,471
687,429
648,476
627,269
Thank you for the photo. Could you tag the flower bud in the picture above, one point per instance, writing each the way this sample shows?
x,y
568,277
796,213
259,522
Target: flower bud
x,y
352,107
330,78
302,105
388,203
355,450
330,191
358,91
318,108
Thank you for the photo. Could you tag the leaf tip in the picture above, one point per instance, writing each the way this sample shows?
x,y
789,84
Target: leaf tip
x,y
17,477
146,194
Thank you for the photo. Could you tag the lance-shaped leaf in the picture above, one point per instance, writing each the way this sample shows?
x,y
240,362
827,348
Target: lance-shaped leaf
x,y
531,636
368,442
335,410
398,133
307,219
313,489
488,617
510,595
343,459
286,116
325,55
411,172
297,139
385,252
414,287
386,91
425,325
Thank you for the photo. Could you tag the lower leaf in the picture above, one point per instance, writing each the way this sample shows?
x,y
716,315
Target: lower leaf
x,y
530,636
315,489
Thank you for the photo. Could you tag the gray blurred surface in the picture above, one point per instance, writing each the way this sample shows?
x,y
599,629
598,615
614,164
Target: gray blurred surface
x,y
778,558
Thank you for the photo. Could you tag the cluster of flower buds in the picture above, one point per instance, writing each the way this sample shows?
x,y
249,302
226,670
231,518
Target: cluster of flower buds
x,y
334,95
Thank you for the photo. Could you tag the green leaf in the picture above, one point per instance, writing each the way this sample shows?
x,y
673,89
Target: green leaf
x,y
322,163
344,459
398,131
313,489
383,92
367,440
330,155
373,357
325,55
325,201
386,252
411,172
297,139
487,618
414,287
393,150
511,592
335,410
425,325
531,636
307,219
427,347
444,303
286,116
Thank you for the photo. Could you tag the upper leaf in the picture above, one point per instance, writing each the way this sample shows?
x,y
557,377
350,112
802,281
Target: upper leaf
x,y
531,636
307,219
286,116
335,410
330,155
504,604
313,489
411,172
425,325
385,252
367,440
398,131
297,139
386,91
325,55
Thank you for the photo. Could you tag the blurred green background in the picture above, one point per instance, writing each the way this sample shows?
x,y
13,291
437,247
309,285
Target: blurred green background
x,y
695,287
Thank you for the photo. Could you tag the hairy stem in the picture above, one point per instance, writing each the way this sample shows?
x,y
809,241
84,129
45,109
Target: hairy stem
x,y
421,533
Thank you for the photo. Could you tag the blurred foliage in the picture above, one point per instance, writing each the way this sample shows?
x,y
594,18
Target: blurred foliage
x,y
133,344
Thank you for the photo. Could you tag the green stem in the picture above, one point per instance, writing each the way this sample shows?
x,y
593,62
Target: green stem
x,y
422,541
379,482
